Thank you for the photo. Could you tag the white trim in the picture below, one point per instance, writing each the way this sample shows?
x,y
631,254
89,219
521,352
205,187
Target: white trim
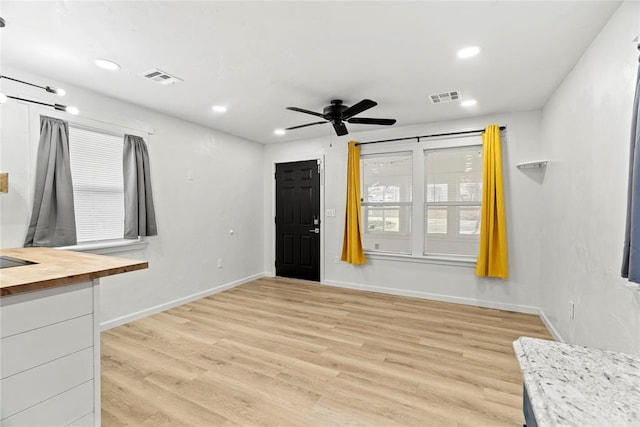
x,y
554,332
177,302
468,262
97,405
108,246
527,309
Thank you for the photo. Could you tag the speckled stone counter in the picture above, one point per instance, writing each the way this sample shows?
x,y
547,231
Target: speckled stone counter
x,y
570,385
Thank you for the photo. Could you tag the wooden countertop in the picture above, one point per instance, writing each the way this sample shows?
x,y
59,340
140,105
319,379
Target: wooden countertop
x,y
59,267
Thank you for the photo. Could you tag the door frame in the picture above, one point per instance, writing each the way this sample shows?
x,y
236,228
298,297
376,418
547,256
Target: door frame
x,y
321,160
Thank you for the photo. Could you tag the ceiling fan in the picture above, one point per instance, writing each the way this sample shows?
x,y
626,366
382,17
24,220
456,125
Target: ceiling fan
x,y
337,113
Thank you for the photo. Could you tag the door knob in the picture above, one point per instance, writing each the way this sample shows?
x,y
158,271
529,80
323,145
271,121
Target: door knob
x,y
315,230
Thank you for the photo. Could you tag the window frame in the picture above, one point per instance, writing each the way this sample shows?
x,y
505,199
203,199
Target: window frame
x,y
453,215
100,247
401,234
418,223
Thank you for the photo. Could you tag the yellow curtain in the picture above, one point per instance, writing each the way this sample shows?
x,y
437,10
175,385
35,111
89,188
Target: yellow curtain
x,y
352,250
492,258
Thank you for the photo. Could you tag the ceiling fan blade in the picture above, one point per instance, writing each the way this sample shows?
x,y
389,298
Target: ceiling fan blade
x,y
302,110
340,128
308,124
358,108
367,121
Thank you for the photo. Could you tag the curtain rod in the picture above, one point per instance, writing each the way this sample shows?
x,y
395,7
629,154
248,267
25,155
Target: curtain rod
x,y
428,136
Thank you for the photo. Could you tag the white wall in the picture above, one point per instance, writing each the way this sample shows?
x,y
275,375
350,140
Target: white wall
x,y
194,216
585,136
447,282
565,224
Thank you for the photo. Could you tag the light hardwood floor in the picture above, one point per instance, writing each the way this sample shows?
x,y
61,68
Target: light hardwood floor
x,y
286,352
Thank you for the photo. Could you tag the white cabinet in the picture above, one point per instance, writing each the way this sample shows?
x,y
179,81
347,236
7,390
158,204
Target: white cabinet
x,y
50,366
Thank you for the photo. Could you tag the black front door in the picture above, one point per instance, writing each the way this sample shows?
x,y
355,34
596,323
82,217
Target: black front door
x,y
298,220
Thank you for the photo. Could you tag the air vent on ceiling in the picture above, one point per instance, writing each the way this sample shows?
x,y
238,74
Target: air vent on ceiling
x,y
160,76
438,98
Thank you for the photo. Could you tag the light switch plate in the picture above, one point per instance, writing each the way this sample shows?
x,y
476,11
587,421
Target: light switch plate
x,y
331,212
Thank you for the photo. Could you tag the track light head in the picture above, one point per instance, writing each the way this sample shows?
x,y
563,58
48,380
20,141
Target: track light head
x,y
57,91
69,109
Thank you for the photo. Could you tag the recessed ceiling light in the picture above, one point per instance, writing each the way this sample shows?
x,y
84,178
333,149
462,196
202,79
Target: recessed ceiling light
x,y
219,108
106,64
279,131
469,103
468,52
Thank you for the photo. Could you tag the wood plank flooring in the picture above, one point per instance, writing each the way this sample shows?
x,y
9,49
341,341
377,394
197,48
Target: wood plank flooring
x,y
281,352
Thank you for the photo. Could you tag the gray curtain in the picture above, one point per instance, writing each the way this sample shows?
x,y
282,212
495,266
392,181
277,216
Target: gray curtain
x,y
139,213
53,220
631,257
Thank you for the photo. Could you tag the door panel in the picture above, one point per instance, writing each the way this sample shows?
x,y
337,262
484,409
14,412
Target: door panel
x,y
297,216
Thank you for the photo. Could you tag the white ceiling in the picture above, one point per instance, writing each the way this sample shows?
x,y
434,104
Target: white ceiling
x,y
259,57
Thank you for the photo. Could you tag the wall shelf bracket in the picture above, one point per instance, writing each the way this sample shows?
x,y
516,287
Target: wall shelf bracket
x,y
536,164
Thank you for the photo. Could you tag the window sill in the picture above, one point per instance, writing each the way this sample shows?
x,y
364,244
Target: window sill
x,y
108,247
459,261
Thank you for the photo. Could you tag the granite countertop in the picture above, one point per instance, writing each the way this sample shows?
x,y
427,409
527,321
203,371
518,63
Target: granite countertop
x,y
58,268
570,385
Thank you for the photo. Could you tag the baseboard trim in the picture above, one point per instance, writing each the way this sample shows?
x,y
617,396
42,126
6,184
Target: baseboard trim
x,y
106,325
549,325
528,309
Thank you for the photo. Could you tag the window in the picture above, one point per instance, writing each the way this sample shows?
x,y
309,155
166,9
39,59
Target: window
x,y
386,202
423,199
453,182
98,191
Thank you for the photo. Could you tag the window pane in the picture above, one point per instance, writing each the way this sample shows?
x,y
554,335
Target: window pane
x,y
387,228
392,220
437,220
469,220
387,178
96,171
374,219
437,192
470,192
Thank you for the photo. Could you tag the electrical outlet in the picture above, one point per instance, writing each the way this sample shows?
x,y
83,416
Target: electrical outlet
x,y
336,260
220,263
572,310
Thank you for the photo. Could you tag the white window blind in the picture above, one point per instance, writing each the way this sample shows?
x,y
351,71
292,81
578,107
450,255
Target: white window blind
x,y
453,183
96,170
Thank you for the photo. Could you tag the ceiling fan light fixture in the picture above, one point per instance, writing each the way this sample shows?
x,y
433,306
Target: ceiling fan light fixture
x,y
468,52
105,64
280,132
337,114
